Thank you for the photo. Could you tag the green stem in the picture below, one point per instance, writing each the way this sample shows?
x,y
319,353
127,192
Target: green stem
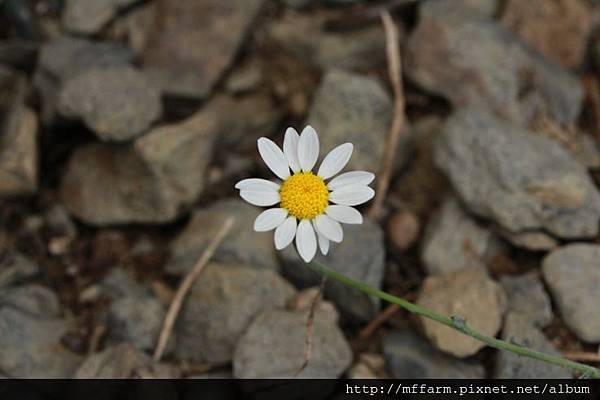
x,y
456,323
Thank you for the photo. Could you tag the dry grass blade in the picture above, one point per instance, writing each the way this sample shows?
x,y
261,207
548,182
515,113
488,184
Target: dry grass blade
x,y
309,327
582,356
185,286
395,74
379,320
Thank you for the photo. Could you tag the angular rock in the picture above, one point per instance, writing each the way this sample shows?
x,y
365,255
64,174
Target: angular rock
x,y
16,268
121,362
472,60
409,356
18,137
273,347
30,347
511,366
242,244
352,108
469,294
572,274
557,29
152,181
90,16
118,103
522,181
212,319
217,30
454,241
360,256
526,296
31,299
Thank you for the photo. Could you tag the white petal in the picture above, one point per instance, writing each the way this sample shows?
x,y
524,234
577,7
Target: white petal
x,y
352,195
344,214
246,183
329,228
306,241
351,178
308,148
323,243
273,157
270,219
335,161
284,234
259,196
290,148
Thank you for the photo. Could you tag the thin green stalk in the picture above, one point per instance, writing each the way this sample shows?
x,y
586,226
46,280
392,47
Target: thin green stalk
x,y
456,323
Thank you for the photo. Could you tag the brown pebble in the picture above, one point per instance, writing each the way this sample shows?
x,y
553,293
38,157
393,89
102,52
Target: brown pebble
x,y
403,229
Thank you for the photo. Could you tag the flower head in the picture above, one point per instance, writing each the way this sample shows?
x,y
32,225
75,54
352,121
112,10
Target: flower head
x,y
311,206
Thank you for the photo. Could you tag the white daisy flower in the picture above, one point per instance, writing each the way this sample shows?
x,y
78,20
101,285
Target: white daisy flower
x,y
311,207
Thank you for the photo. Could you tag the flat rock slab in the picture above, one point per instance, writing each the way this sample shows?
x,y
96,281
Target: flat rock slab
x,y
192,43
522,181
469,294
527,296
572,274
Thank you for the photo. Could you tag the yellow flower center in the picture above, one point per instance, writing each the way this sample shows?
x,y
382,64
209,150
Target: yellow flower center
x,y
304,195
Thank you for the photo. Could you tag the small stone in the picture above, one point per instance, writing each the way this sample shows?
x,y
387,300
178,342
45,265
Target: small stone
x,y
32,299
216,29
212,319
535,241
30,347
244,79
90,16
511,366
136,320
346,107
469,294
470,59
526,296
558,29
273,347
118,284
360,256
122,361
153,181
61,228
18,142
118,103
403,229
242,244
16,268
522,181
573,277
454,241
409,356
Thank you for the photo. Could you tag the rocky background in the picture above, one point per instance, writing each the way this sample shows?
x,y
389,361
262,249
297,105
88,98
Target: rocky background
x,y
126,123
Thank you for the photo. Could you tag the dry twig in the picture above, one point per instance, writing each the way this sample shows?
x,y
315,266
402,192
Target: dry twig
x,y
582,356
379,320
395,75
309,326
185,286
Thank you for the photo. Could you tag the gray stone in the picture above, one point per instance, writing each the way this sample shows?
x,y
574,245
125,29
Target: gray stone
x,y
216,29
121,362
18,138
242,244
32,299
530,240
470,59
118,284
572,274
30,347
118,103
273,347
469,294
453,241
526,296
153,181
307,39
90,16
511,366
16,268
352,108
409,356
136,320
221,306
360,256
522,181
